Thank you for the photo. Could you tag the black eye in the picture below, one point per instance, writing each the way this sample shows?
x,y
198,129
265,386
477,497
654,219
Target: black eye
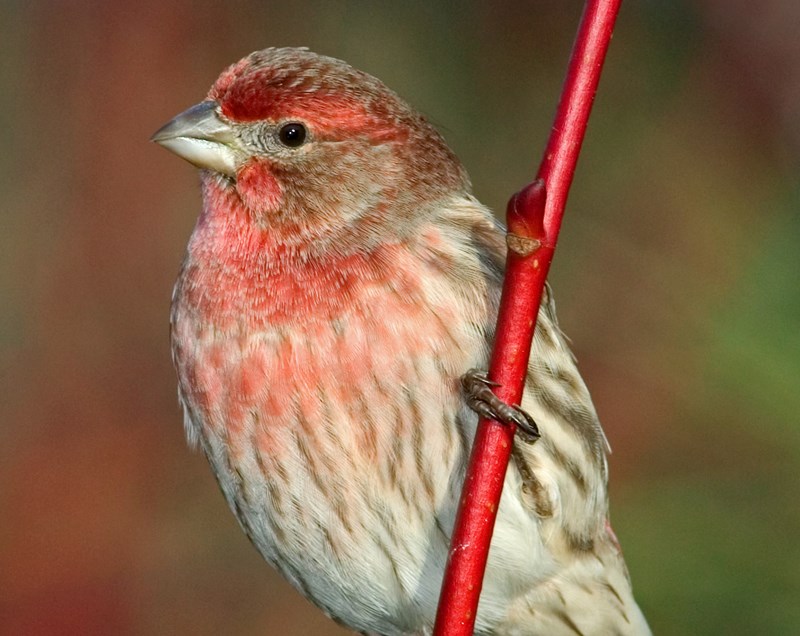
x,y
292,135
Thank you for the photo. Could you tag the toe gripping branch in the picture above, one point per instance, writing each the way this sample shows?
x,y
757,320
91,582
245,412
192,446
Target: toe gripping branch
x,y
480,398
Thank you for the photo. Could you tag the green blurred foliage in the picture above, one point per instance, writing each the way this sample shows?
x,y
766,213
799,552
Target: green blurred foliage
x,y
677,278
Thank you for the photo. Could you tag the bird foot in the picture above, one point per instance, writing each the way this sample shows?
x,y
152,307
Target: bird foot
x,y
480,398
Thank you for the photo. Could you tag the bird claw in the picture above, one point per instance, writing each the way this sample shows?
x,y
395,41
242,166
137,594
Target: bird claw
x,y
481,399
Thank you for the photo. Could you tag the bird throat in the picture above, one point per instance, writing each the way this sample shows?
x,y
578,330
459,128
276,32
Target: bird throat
x,y
240,268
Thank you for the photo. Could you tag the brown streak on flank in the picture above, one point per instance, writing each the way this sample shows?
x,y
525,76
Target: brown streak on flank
x,y
279,468
344,454
394,459
616,594
444,374
614,591
227,446
417,442
328,422
278,533
300,511
312,469
339,509
564,618
570,379
338,327
329,428
384,392
407,500
581,421
369,428
400,484
274,491
579,542
544,334
461,429
583,587
419,462
448,430
389,524
531,485
243,519
311,433
276,496
274,529
335,547
450,422
391,467
240,485
442,531
229,466
572,468
445,329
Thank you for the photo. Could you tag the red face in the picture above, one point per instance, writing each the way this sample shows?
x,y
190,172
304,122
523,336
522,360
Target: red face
x,y
314,148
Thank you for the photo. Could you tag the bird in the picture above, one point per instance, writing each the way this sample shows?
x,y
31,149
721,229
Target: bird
x,y
340,283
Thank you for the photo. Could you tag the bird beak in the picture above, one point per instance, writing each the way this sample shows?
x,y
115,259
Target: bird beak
x,y
202,138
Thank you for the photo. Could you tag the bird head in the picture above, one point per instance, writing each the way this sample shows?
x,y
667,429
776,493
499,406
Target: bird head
x,y
307,140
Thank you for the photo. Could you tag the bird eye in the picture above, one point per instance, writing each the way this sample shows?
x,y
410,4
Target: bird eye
x,y
292,135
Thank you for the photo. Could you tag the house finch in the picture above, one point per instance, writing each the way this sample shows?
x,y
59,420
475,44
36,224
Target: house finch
x,y
340,281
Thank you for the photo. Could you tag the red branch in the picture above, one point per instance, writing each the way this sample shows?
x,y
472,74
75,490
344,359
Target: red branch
x,y
534,219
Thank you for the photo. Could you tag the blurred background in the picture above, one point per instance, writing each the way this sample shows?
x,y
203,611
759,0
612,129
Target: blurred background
x,y
677,277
